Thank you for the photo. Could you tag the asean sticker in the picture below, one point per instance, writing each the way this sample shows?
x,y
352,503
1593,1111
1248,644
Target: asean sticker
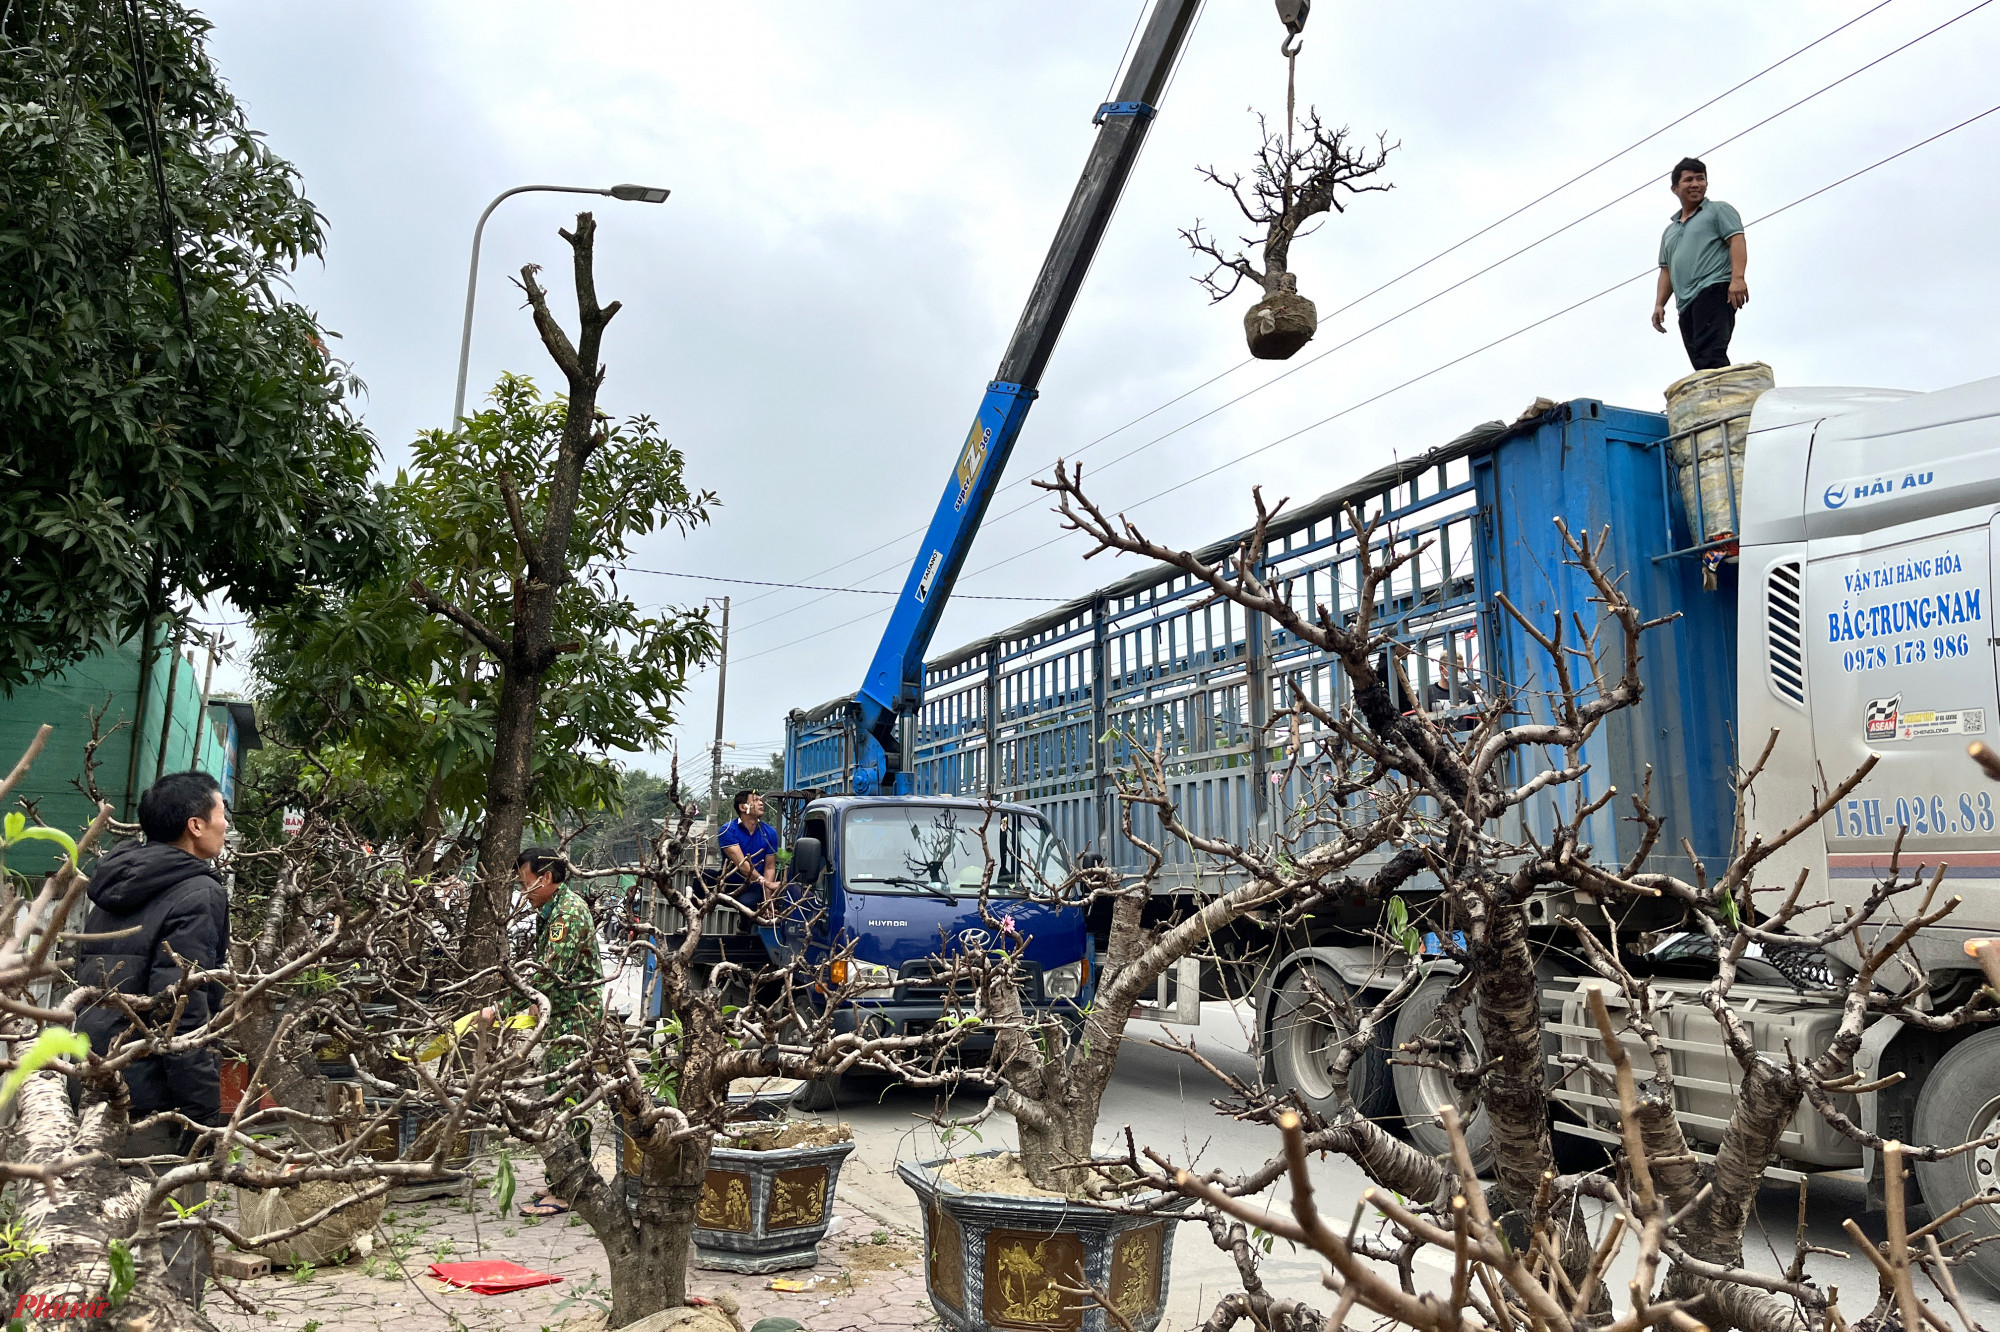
x,y
1879,719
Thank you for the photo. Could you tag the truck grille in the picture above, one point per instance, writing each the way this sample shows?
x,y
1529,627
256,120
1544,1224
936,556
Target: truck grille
x,y
921,982
717,922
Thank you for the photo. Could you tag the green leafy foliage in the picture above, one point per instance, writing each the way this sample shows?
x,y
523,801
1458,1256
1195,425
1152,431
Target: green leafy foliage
x,y
124,1272
643,798
53,1043
503,1184
18,1244
14,828
175,423
397,705
1407,936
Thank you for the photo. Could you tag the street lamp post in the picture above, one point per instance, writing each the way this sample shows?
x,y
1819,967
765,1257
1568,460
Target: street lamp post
x,y
630,193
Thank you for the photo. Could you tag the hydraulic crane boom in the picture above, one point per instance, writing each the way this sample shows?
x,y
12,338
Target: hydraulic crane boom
x,y
893,688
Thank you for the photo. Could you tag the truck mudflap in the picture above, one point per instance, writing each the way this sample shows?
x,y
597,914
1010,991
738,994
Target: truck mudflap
x,y
1704,1072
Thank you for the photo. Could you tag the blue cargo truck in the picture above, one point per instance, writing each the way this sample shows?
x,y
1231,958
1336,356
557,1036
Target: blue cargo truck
x,y
1040,717
1832,582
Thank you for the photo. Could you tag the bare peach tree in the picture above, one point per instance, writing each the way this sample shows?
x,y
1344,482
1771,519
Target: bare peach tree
x,y
313,919
664,1083
1437,793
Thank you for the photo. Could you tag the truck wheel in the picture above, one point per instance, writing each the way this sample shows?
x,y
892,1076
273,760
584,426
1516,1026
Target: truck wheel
x,y
821,1095
1960,1101
1304,1024
1420,1091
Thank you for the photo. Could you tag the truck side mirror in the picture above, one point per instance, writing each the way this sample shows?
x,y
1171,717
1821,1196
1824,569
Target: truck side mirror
x,y
808,859
1090,860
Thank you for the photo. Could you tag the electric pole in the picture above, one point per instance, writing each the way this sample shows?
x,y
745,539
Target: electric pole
x,y
721,696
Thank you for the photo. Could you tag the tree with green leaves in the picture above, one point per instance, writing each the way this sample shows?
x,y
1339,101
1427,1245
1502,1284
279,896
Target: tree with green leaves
x,y
646,803
403,708
175,423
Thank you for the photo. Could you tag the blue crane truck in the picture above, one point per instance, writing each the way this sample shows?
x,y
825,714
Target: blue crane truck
x,y
877,864
1837,587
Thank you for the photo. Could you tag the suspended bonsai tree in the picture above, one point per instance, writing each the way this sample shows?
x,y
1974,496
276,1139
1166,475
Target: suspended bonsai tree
x,y
1301,172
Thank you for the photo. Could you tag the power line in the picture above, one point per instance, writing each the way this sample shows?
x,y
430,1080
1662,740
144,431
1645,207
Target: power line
x,y
1437,295
803,587
1434,370
1539,199
1509,258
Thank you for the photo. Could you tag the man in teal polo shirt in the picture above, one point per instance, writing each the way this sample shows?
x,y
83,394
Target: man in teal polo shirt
x,y
1702,258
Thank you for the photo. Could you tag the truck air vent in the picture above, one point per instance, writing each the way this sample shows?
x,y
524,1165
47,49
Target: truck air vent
x,y
1783,640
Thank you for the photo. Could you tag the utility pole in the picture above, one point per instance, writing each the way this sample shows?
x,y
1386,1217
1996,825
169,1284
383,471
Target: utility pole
x,y
721,697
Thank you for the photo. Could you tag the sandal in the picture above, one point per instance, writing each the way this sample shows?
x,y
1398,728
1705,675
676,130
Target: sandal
x,y
544,1206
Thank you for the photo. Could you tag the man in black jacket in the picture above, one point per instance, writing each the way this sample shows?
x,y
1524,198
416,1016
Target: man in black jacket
x,y
151,904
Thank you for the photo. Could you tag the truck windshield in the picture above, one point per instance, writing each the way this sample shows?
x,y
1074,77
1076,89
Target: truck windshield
x,y
910,848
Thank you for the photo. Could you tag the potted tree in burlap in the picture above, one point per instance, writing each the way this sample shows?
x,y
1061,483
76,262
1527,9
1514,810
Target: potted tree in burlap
x,y
1295,178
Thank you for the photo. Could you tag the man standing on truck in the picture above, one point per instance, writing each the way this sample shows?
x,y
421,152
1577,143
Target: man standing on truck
x,y
1702,258
750,852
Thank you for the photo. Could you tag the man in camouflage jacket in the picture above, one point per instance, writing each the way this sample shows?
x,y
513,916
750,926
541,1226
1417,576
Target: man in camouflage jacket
x,y
565,967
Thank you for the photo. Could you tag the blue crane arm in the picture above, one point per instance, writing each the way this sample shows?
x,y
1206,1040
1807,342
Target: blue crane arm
x,y
893,688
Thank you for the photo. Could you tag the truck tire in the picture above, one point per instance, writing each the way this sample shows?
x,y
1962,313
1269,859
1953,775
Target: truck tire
x,y
1420,1091
1960,1101
1303,1023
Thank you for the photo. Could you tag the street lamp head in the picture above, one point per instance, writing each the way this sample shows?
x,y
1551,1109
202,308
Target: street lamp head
x,y
639,193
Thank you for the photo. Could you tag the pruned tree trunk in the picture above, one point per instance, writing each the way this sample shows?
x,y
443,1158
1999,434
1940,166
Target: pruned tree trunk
x,y
80,1212
647,1240
528,650
1510,1024
514,723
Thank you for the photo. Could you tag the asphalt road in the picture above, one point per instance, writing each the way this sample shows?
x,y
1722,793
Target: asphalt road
x,y
1165,1099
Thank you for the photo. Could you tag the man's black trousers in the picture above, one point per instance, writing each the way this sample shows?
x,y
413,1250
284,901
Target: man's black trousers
x,y
1706,324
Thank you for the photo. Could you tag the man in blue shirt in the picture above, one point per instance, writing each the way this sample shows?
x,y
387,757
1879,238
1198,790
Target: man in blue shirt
x,y
1702,258
750,851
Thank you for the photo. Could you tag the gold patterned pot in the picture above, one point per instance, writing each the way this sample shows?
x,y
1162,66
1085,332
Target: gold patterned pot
x,y
766,1211
998,1260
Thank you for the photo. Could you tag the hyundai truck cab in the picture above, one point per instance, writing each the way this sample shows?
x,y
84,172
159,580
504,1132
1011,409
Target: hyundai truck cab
x,y
900,878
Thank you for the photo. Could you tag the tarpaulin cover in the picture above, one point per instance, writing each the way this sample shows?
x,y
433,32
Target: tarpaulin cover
x,y
492,1276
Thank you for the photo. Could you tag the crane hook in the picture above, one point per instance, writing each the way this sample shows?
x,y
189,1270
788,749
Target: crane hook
x,y
1292,13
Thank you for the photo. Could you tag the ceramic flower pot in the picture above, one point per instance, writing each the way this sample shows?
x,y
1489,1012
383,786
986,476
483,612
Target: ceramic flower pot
x,y
766,1211
998,1260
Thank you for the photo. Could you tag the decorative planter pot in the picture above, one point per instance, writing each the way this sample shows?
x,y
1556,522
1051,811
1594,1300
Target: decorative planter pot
x,y
634,1171
995,1260
766,1211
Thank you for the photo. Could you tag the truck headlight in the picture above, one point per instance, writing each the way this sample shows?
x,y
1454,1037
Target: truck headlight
x,y
867,978
1064,982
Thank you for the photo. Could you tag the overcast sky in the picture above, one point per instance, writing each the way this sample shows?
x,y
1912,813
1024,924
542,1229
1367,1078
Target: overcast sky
x,y
862,193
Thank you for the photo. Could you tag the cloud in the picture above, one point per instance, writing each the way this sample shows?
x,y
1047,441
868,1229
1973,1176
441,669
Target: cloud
x,y
863,193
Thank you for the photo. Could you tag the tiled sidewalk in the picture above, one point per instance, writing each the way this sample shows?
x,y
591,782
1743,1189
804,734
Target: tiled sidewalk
x,y
869,1275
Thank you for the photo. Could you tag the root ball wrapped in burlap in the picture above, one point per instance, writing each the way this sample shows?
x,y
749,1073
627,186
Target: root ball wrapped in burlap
x,y
348,1231
1280,324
